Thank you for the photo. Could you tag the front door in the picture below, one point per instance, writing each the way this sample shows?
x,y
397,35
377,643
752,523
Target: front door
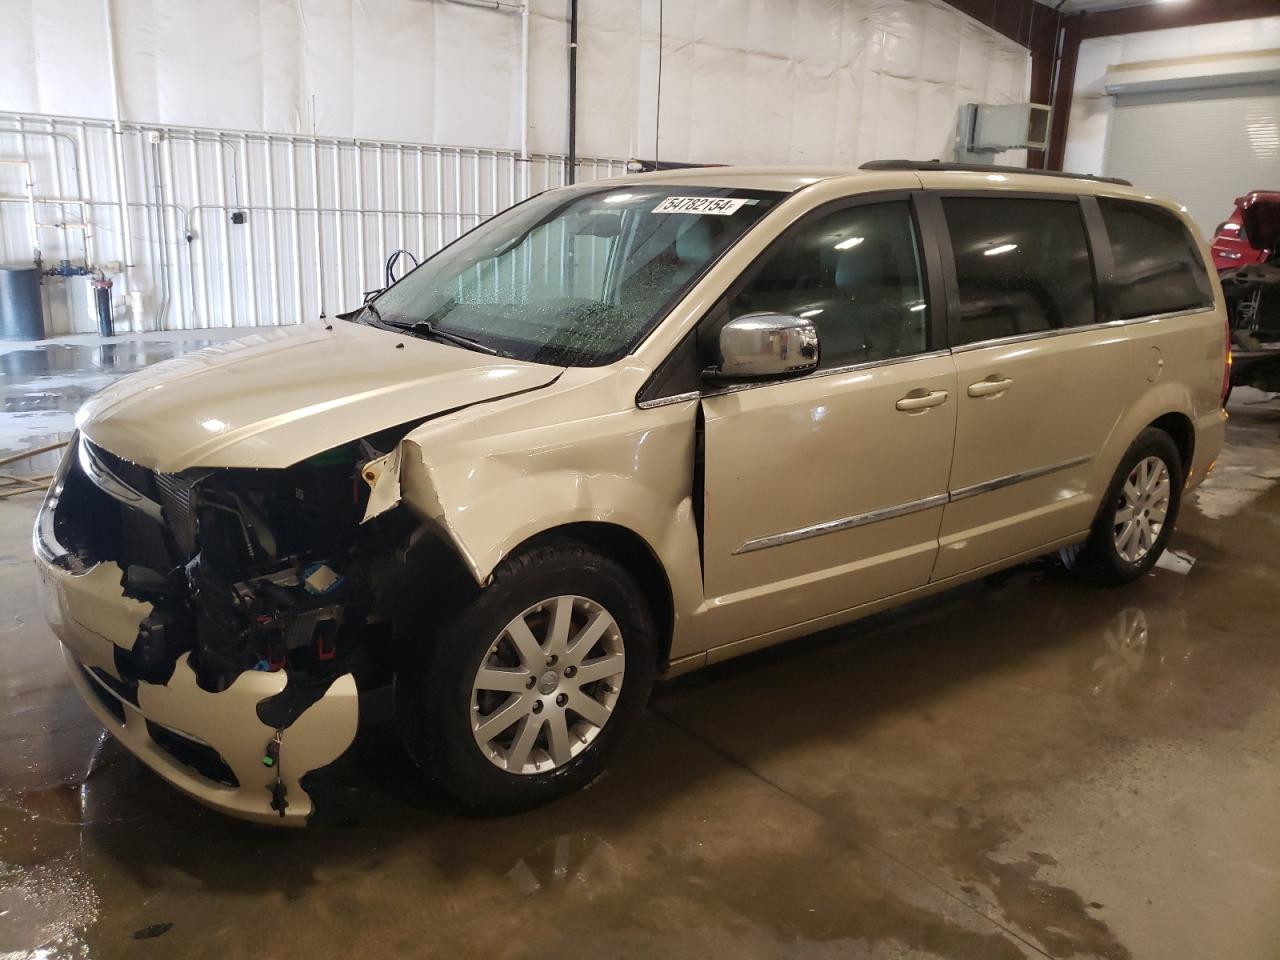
x,y
825,492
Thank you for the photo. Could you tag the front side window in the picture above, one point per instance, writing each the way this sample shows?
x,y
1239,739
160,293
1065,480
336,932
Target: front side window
x,y
573,278
1022,266
1157,265
856,274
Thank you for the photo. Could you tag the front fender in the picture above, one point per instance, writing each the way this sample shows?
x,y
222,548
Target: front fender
x,y
488,497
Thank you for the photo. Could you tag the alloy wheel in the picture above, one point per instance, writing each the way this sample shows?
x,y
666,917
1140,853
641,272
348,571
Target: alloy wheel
x,y
1140,514
547,685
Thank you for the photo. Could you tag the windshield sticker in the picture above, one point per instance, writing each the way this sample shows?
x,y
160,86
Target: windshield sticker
x,y
716,206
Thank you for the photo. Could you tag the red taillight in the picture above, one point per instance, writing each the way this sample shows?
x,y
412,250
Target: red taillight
x,y
1226,367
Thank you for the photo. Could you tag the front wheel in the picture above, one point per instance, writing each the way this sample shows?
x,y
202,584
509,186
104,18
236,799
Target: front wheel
x,y
1137,515
524,694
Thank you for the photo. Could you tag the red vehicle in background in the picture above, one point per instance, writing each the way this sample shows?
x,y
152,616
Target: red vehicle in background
x,y
1231,246
1246,251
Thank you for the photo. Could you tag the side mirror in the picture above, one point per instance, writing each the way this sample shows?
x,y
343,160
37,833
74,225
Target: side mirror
x,y
761,345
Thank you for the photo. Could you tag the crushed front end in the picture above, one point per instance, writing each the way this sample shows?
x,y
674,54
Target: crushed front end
x,y
216,620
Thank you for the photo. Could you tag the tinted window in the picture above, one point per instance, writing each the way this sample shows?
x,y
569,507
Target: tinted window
x,y
1021,265
1157,265
856,275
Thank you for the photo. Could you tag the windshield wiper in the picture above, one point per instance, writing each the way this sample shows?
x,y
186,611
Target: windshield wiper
x,y
425,328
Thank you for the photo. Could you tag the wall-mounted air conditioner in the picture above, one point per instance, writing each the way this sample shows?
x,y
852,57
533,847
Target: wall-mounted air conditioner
x,y
985,129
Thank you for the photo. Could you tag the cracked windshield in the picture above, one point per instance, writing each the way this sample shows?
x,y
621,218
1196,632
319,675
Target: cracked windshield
x,y
571,282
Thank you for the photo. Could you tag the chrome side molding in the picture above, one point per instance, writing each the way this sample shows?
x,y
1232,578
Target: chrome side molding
x,y
986,486
845,523
902,509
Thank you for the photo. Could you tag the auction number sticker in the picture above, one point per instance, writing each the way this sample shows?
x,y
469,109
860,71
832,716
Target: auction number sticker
x,y
716,206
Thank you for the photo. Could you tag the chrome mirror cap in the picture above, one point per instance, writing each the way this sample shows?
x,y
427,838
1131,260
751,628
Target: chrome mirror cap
x,y
766,345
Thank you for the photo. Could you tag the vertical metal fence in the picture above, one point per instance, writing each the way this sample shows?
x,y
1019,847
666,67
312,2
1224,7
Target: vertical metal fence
x,y
223,228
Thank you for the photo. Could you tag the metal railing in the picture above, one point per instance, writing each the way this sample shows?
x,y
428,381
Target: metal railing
x,y
216,228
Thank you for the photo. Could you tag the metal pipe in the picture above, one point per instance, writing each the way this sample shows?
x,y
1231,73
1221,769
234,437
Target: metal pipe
x,y
361,265
204,256
524,91
457,190
215,135
478,176
570,172
422,199
340,239
30,200
273,272
296,232
319,245
86,234
250,267
161,237
399,198
170,230
499,5
121,177
228,318
439,200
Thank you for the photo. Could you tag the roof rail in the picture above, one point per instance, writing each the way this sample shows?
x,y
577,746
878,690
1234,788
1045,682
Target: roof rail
x,y
944,167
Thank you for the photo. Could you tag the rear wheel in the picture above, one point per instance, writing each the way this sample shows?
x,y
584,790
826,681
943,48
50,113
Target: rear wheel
x,y
1137,516
526,692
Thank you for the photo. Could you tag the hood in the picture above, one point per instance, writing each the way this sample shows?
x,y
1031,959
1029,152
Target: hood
x,y
273,398
1260,213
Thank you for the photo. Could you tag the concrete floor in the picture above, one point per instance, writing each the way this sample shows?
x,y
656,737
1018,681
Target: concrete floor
x,y
1024,767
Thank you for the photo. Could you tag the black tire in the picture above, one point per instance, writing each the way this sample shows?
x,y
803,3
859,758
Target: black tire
x,y
1098,560
433,684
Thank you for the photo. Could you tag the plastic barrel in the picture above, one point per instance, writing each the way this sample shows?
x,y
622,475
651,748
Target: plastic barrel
x,y
21,315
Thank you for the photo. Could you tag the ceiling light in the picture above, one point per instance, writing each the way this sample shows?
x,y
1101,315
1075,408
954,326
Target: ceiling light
x,y
849,244
811,313
1003,248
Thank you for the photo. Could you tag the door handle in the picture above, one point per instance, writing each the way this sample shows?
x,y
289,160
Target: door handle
x,y
989,388
922,401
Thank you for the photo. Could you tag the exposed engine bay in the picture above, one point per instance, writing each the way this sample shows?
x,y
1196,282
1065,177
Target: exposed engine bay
x,y
243,570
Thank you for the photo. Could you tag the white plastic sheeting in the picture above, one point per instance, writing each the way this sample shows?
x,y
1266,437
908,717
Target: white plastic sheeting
x,y
743,81
406,70
312,116
770,81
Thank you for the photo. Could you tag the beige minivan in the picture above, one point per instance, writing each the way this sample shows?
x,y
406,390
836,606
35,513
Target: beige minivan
x,y
620,431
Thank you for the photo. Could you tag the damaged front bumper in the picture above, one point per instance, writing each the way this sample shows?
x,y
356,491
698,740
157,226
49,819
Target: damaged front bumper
x,y
214,746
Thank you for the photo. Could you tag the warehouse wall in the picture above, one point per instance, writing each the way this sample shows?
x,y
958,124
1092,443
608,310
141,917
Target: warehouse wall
x,y
771,81
309,117
1091,105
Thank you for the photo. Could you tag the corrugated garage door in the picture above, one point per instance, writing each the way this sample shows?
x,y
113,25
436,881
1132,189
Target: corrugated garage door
x,y
1203,148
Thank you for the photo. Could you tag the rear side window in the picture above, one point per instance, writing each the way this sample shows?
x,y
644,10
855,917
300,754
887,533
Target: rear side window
x,y
1022,266
1157,264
